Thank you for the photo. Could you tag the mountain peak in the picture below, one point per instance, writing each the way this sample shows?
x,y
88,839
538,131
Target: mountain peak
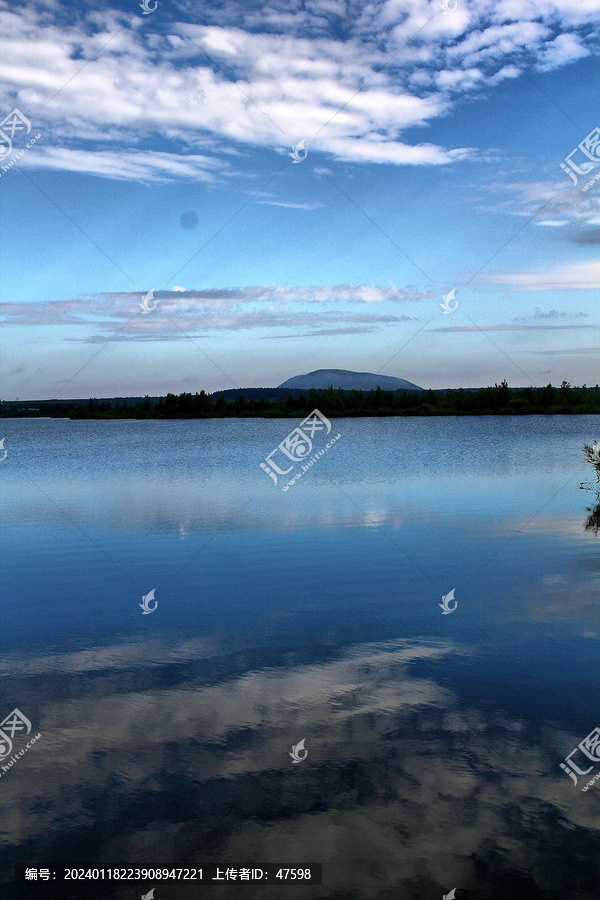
x,y
348,381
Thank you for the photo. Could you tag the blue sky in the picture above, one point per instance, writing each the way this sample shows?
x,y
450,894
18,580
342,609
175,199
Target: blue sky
x,y
433,145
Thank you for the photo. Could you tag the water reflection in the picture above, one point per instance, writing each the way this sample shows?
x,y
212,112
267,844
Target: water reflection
x,y
593,520
592,454
433,741
405,787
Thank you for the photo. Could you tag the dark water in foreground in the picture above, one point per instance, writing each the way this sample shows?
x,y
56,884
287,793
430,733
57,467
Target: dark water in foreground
x,y
434,741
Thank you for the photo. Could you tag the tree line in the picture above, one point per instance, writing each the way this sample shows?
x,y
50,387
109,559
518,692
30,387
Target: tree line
x,y
488,401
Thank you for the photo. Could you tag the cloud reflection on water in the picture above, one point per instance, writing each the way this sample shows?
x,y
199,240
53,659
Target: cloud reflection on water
x,y
403,783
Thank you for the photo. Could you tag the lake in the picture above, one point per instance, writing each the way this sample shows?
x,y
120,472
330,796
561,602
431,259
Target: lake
x,y
430,741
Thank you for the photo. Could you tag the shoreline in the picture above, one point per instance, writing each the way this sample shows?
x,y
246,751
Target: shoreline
x,y
500,400
369,414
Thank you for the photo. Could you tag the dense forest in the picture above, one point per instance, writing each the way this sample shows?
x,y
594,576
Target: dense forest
x,y
489,401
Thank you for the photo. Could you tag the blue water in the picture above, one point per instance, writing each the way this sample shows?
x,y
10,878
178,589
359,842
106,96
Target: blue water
x,y
434,741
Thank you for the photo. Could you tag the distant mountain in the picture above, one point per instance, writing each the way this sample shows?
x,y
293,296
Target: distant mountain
x,y
349,381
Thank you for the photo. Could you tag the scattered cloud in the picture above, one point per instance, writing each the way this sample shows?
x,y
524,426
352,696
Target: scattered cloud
x,y
589,236
565,48
481,328
159,329
288,204
573,276
564,352
558,201
350,329
551,314
121,101
127,165
182,312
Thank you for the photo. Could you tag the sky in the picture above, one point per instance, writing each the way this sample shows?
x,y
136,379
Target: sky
x,y
299,184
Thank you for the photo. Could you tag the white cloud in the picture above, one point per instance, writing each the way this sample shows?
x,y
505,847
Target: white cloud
x,y
181,312
559,202
125,86
480,328
368,150
576,276
551,314
567,12
288,204
459,79
126,165
563,49
498,41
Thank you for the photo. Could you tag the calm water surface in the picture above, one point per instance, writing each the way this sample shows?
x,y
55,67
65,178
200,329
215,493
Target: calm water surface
x,y
434,741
